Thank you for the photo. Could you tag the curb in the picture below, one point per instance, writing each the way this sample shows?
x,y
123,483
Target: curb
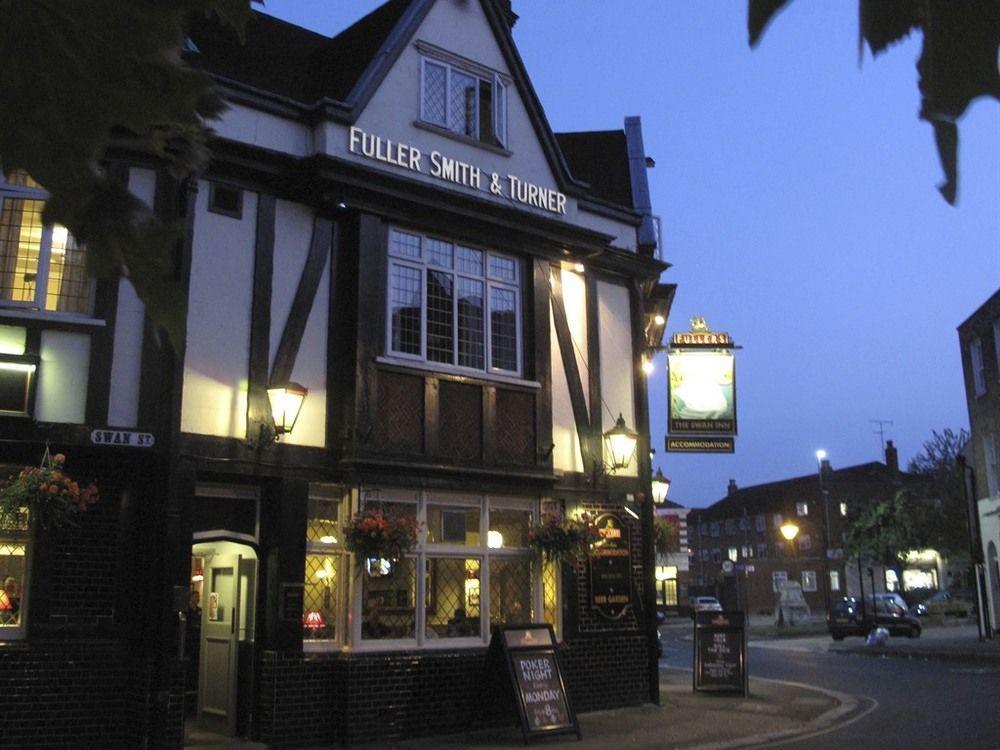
x,y
845,712
921,654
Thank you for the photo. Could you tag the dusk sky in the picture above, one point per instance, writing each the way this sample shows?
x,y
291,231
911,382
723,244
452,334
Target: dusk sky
x,y
800,213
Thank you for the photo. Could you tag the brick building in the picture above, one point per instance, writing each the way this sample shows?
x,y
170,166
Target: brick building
x,y
979,338
388,225
738,551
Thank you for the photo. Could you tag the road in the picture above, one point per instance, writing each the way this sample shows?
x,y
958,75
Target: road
x,y
911,703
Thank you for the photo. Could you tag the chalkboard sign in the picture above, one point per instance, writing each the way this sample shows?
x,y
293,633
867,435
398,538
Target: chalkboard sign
x,y
720,652
536,678
611,568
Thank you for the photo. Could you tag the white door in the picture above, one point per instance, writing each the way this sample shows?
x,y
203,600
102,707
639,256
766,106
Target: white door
x,y
221,608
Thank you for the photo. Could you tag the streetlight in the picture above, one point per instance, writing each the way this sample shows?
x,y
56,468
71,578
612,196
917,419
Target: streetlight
x,y
620,442
825,494
789,531
661,486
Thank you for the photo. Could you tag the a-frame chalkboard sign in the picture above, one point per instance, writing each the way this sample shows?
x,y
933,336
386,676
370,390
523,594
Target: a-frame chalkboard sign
x,y
532,660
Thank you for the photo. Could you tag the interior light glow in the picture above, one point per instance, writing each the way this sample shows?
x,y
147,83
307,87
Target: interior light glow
x,y
494,539
17,366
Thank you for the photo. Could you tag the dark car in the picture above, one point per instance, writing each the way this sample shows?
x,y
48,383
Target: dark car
x,y
846,618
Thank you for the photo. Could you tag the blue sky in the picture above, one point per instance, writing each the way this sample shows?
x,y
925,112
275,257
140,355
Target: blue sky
x,y
800,212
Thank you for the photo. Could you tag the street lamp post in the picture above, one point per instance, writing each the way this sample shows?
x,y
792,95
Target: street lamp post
x,y
789,531
825,494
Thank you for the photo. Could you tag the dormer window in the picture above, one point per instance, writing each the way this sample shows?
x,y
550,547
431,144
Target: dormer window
x,y
468,102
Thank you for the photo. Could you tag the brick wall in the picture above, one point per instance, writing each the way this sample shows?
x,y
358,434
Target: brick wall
x,y
60,695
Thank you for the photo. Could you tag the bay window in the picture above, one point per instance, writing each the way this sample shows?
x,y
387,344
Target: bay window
x,y
41,266
453,305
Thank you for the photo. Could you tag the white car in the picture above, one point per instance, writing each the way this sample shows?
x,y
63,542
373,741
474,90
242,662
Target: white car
x,y
704,604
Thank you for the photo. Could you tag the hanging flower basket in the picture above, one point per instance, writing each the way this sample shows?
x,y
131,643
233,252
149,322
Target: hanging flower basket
x,y
557,538
376,535
47,493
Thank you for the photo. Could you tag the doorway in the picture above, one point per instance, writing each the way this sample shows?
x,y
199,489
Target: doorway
x,y
221,636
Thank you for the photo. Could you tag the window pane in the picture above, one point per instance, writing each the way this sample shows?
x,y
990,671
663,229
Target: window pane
x,y
469,261
510,590
406,309
13,546
486,112
440,323
320,613
503,268
403,244
438,253
550,602
69,286
388,601
323,526
450,524
14,388
453,598
20,245
471,340
511,525
434,99
462,103
503,327
21,178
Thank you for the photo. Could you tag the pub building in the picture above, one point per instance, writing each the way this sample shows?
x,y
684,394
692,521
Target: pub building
x,y
404,292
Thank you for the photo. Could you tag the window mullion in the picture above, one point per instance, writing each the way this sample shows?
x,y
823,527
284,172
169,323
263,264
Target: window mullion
x,y
454,316
42,275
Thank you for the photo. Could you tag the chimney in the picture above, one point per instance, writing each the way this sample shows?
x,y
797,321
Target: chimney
x,y
891,458
732,489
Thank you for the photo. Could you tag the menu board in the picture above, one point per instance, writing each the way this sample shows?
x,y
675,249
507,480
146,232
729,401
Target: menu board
x,y
720,654
532,660
540,691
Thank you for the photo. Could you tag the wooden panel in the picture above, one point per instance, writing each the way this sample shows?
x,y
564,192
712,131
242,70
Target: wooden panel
x,y
515,427
399,418
461,421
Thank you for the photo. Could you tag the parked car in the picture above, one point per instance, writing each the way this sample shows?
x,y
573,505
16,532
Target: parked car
x,y
954,603
846,617
704,604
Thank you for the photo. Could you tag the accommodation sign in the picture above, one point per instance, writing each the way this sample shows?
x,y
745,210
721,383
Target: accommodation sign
x,y
611,568
454,171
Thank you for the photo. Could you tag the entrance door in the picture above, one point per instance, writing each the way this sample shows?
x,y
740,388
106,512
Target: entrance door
x,y
227,600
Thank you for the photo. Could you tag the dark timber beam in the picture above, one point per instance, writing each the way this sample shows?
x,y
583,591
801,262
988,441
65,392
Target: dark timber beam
x,y
258,408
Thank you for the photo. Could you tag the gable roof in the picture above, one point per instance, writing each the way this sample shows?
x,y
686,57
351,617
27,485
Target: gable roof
x,y
600,159
338,76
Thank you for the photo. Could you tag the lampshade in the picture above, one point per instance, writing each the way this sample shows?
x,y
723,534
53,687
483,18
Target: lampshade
x,y
286,402
313,619
6,605
620,442
494,539
789,530
661,486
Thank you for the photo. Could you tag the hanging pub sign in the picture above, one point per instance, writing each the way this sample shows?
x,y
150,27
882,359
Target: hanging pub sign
x,y
610,568
701,390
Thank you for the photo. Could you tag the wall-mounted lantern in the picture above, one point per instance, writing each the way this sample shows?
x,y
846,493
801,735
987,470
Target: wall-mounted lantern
x,y
661,486
286,403
619,443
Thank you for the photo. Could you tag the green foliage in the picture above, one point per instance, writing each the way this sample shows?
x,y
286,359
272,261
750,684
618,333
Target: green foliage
x,y
940,507
883,531
666,535
558,538
47,493
78,74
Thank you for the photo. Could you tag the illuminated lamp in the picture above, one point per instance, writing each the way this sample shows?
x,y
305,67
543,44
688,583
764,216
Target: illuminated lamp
x,y
661,486
620,442
286,403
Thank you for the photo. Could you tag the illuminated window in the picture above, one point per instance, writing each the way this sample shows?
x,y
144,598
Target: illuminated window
x,y
778,577
808,580
733,554
41,266
453,305
477,571
470,103
326,571
14,538
834,580
802,509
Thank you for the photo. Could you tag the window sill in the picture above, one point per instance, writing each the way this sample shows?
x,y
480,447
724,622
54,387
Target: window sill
x,y
71,319
456,372
467,140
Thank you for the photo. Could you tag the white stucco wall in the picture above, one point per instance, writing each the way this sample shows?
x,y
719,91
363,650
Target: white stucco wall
x,y
216,363
292,238
617,377
247,125
566,456
62,377
989,522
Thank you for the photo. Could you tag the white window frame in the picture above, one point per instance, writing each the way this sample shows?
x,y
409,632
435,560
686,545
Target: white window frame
x,y
778,577
802,508
499,91
834,580
22,192
992,464
809,580
425,551
488,282
978,371
336,551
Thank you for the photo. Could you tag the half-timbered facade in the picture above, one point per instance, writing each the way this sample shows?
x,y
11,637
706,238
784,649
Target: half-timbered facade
x,y
388,225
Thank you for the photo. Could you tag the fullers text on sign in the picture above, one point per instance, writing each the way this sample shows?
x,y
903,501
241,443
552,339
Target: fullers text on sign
x,y
455,171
